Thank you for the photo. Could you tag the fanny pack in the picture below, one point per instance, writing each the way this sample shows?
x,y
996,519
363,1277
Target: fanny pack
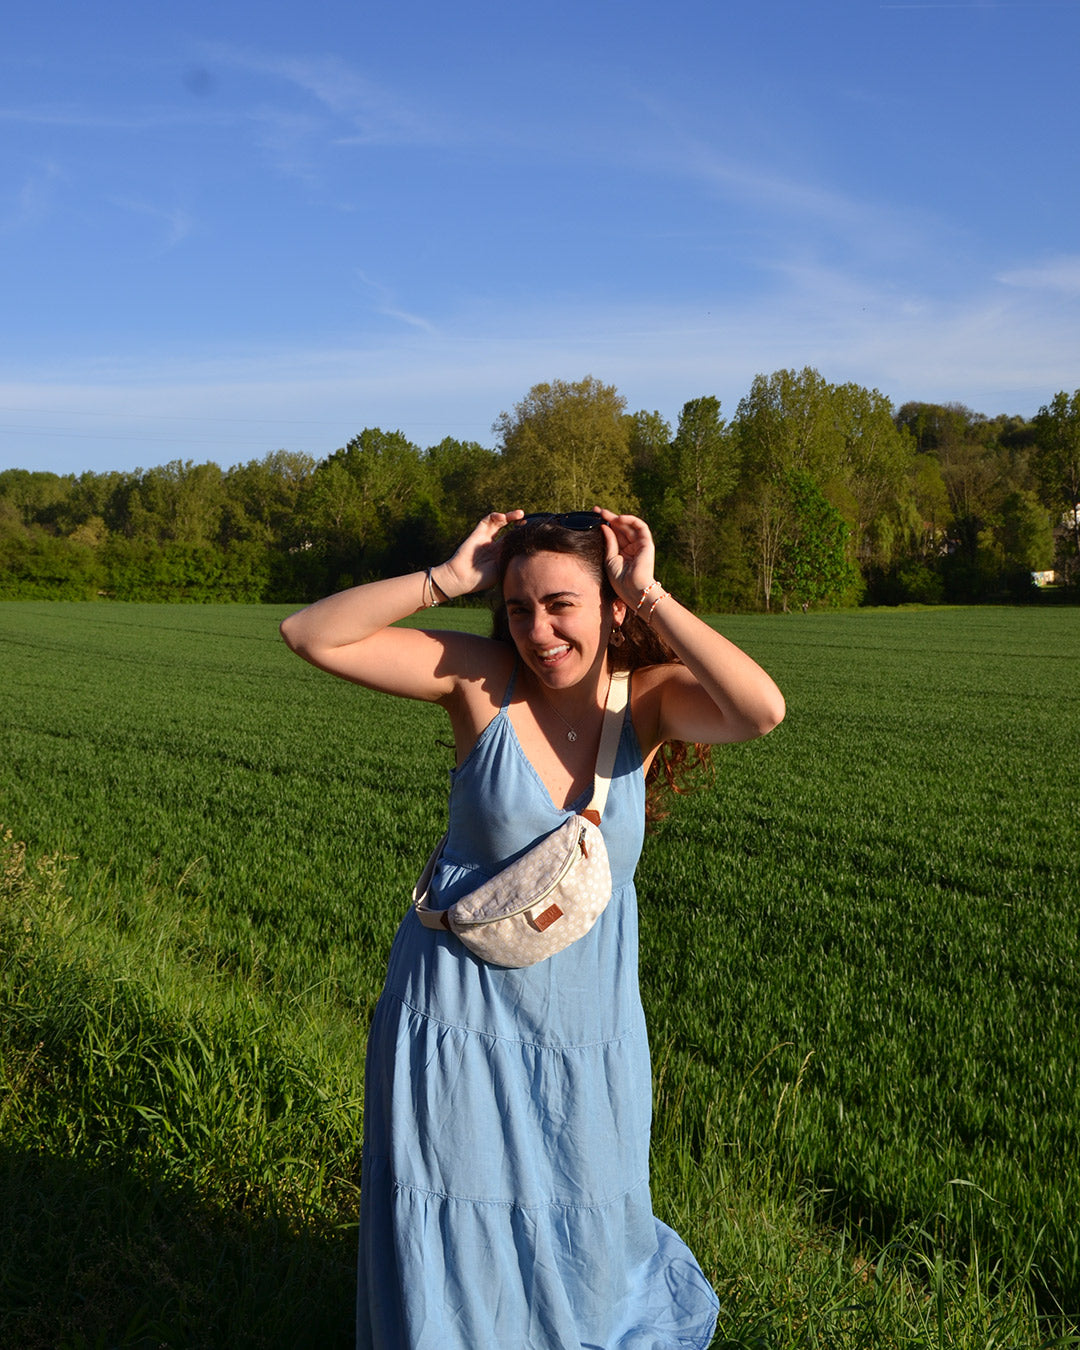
x,y
554,893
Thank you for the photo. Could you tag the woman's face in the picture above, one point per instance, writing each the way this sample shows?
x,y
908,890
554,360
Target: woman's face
x,y
557,617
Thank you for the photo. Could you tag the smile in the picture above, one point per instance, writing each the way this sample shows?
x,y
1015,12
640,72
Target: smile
x,y
553,653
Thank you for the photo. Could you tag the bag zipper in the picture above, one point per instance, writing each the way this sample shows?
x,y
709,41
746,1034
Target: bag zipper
x,y
576,848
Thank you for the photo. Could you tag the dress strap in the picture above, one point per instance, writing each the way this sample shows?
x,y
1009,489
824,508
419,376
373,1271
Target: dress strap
x,y
510,685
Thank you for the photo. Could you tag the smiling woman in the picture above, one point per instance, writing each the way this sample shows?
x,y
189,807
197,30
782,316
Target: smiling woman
x,y
560,630
505,1197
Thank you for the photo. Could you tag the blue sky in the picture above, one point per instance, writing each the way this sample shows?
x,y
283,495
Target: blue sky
x,y
231,228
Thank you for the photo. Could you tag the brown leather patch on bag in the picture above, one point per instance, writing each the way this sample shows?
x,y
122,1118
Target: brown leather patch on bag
x,y
545,920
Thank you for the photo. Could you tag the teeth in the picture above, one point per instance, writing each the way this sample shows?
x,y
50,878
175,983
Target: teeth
x,y
549,652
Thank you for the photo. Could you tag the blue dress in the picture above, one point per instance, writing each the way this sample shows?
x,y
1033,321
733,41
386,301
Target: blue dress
x,y
505,1197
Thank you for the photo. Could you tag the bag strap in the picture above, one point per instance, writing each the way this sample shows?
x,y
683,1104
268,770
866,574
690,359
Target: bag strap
x,y
609,743
430,918
610,735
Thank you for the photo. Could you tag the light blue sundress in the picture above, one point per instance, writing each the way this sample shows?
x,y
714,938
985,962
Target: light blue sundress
x,y
505,1197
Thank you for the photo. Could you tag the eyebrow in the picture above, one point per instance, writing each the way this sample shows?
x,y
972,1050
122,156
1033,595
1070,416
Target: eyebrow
x,y
545,599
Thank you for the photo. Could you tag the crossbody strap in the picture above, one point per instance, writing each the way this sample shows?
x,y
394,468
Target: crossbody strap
x,y
610,736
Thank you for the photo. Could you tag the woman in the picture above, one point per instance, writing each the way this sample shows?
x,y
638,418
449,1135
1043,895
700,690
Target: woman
x,y
505,1200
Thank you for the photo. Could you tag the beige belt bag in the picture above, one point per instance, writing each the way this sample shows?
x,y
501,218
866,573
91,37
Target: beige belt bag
x,y
551,895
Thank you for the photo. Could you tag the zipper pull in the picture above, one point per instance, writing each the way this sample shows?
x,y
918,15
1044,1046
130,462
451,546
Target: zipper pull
x,y
582,845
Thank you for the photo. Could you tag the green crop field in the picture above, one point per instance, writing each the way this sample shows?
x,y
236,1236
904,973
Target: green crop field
x,y
859,962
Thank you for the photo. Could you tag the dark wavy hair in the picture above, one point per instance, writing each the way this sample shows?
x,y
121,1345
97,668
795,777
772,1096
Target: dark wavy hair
x,y
677,766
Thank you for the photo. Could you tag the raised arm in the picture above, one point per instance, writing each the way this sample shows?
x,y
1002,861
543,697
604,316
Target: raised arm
x,y
350,634
720,693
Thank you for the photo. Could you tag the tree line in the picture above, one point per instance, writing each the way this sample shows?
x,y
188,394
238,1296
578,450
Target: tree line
x,y
811,494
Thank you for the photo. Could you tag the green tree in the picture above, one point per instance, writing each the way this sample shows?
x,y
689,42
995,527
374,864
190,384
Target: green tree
x,y
783,426
35,565
1057,463
35,496
930,498
788,421
89,498
814,564
92,532
331,515
703,472
649,439
389,471
1027,536
359,507
464,477
178,502
874,455
981,462
262,497
565,447
936,427
960,440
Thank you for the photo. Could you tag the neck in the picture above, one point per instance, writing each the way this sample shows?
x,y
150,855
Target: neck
x,y
575,704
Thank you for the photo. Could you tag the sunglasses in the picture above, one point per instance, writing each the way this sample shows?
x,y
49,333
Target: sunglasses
x,y
569,520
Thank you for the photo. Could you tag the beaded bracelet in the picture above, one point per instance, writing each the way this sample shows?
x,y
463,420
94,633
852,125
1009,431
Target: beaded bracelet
x,y
664,595
650,587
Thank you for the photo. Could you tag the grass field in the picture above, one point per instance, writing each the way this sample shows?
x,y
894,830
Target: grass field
x,y
859,966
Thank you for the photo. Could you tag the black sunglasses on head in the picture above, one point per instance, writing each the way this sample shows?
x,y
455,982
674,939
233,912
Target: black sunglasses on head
x,y
569,520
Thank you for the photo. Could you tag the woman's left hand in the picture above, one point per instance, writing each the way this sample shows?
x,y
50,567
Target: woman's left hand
x,y
715,692
631,555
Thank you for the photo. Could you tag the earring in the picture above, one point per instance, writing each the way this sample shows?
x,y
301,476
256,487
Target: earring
x,y
618,637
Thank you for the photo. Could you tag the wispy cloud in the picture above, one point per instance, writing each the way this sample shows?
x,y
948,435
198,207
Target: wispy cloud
x,y
176,222
386,305
771,191
302,109
1061,274
32,202
359,109
995,349
78,118
796,209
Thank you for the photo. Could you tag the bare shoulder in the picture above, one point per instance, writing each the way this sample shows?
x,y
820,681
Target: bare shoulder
x,y
484,668
671,704
475,669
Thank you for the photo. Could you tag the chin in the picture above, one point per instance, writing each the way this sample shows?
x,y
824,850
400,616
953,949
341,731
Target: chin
x,y
558,676
566,671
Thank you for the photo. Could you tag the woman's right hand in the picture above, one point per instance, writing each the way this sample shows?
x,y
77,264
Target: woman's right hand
x,y
353,633
475,564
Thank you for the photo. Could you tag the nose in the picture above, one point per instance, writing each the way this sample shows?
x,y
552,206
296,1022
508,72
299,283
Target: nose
x,y
538,623
539,628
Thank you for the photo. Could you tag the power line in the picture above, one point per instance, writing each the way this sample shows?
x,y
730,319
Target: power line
x,y
149,438
165,417
192,417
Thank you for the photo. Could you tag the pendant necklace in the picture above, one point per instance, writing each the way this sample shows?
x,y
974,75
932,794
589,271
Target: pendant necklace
x,y
571,730
571,734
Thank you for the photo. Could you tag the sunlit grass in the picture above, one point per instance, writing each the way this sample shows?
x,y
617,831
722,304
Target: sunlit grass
x,y
859,966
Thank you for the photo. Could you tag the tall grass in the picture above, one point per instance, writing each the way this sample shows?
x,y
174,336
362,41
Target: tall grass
x,y
859,957
889,887
170,1157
